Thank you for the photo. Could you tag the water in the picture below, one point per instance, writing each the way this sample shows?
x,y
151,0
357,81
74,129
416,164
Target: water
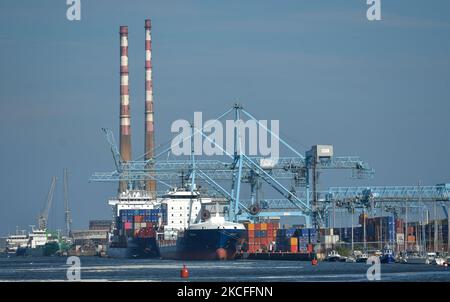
x,y
104,269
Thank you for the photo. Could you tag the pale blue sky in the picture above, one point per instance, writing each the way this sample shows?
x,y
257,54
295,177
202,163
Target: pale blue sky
x,y
379,90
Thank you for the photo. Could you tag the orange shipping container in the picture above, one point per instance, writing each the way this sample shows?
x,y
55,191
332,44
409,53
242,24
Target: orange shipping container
x,y
263,226
411,238
251,226
293,241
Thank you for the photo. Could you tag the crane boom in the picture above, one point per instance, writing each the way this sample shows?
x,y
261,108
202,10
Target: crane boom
x,y
43,218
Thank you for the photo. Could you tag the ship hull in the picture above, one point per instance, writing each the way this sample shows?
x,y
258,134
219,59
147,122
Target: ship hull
x,y
135,248
205,244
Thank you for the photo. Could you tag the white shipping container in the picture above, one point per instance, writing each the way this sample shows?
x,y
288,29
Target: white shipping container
x,y
400,238
331,239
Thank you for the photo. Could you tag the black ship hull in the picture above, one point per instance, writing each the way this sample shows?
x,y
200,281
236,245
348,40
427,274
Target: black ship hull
x,y
134,248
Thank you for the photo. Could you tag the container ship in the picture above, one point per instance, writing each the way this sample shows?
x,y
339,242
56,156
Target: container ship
x,y
177,226
136,220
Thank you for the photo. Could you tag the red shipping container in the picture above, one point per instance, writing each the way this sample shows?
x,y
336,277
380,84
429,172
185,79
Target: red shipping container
x,y
309,248
257,227
138,218
251,234
293,249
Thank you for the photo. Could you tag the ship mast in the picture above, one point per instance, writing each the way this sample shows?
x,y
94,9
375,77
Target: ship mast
x,y
68,220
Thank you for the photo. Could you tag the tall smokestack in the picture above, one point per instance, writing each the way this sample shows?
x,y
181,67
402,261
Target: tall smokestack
x,y
125,127
150,185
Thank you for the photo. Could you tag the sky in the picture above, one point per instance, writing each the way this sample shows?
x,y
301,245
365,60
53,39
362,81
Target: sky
x,y
379,90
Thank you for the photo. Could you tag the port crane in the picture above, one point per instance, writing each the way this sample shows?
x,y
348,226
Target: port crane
x,y
393,199
43,217
300,197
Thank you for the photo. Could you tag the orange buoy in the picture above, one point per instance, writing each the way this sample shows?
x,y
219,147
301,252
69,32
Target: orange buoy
x,y
184,272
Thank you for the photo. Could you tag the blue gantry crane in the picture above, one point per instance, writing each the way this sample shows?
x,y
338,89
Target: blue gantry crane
x,y
294,177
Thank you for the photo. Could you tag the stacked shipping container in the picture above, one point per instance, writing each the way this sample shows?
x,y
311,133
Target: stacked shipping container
x,y
381,229
263,237
131,223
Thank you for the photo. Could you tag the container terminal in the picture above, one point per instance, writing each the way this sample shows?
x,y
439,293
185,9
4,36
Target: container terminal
x,y
244,207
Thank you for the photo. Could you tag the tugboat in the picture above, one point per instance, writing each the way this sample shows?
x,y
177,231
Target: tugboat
x,y
387,256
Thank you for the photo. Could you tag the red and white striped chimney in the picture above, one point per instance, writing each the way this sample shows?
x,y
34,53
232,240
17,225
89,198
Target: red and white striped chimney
x,y
149,130
125,117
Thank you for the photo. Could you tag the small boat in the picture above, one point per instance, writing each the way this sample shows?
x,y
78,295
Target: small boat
x,y
362,258
333,256
433,258
438,261
387,256
350,260
414,259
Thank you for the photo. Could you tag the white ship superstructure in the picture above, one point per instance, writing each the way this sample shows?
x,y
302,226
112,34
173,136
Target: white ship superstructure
x,y
181,207
132,200
37,238
13,242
